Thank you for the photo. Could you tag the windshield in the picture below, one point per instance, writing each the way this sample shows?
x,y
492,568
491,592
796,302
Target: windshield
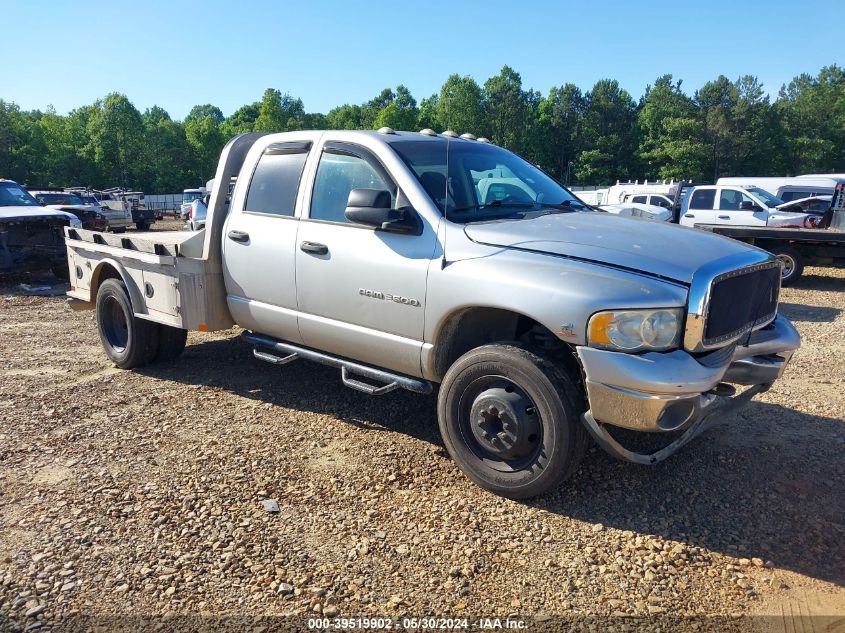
x,y
190,196
58,198
13,195
765,196
485,182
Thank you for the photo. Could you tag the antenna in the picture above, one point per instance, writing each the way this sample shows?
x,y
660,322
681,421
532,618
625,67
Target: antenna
x,y
446,206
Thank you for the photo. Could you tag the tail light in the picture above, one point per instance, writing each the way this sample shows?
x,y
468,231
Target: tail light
x,y
190,213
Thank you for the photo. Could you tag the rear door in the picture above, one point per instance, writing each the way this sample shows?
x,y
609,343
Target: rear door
x,y
360,291
700,209
259,243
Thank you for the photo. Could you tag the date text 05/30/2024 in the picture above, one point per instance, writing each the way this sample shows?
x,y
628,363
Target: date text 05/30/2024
x,y
417,624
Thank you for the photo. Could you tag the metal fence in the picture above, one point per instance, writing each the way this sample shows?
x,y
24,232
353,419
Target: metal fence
x,y
165,202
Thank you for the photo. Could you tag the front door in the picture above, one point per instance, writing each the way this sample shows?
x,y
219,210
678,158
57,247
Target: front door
x,y
361,291
731,211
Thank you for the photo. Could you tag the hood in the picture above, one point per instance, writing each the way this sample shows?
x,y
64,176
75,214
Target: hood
x,y
21,213
799,201
656,248
74,208
639,210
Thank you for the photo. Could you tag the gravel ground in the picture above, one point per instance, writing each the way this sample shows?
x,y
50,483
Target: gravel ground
x,y
140,492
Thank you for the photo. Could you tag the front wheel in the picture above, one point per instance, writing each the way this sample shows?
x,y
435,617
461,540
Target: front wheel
x,y
509,419
142,226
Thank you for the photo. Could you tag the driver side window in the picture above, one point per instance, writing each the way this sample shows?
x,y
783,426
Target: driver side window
x,y
337,174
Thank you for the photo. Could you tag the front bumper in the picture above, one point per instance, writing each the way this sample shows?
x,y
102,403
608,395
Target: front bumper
x,y
675,390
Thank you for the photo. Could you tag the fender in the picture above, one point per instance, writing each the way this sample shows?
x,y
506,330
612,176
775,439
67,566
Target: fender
x,y
139,306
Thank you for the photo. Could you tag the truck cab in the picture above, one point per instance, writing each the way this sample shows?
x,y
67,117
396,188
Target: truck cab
x,y
728,205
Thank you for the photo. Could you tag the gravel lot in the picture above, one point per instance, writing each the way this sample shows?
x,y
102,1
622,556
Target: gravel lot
x,y
140,492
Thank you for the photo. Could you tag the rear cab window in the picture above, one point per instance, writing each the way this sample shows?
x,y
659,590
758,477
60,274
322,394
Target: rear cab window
x,y
702,199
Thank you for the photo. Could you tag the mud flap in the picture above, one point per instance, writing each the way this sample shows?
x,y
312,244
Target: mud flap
x,y
710,418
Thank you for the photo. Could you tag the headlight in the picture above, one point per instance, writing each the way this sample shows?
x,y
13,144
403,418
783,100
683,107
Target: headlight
x,y
636,330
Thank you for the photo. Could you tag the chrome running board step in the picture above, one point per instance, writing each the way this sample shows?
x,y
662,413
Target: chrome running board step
x,y
348,369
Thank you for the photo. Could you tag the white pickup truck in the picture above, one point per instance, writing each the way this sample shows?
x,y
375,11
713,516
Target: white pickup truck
x,y
414,259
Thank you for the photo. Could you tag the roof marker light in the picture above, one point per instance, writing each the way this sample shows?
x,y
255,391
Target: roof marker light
x,y
428,132
469,137
450,134
483,139
386,130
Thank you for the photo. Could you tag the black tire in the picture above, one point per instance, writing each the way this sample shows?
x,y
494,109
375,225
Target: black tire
x,y
142,226
171,343
122,229
541,449
793,264
128,341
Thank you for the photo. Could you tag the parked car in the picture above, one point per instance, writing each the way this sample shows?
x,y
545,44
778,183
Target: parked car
x,y
90,215
116,211
196,214
188,196
375,252
31,236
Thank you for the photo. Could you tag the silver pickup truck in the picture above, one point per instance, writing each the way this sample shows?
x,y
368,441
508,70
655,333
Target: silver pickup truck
x,y
410,260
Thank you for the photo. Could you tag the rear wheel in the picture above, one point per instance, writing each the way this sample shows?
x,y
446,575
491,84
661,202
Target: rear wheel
x,y
793,264
142,226
128,341
509,419
171,343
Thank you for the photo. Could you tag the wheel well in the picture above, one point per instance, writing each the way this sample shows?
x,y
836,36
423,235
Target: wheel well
x,y
474,327
102,272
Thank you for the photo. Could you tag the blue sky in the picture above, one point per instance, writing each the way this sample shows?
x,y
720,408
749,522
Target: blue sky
x,y
177,54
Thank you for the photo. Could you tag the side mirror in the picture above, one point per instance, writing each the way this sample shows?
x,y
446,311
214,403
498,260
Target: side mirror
x,y
747,206
372,207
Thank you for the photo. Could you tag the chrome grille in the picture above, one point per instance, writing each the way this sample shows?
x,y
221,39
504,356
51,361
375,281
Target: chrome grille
x,y
728,298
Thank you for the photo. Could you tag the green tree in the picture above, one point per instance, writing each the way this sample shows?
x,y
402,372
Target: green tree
x,y
206,141
609,133
810,113
460,106
400,113
202,111
559,121
242,120
345,117
506,109
671,134
278,113
116,132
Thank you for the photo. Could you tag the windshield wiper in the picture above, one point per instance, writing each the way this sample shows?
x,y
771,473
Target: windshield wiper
x,y
566,205
495,204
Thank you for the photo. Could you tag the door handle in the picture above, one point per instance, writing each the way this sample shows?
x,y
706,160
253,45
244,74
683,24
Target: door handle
x,y
238,236
688,215
724,217
315,248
